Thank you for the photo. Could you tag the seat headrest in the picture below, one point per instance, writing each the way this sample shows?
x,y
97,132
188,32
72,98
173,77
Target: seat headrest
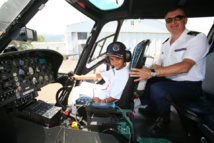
x,y
137,61
208,82
138,54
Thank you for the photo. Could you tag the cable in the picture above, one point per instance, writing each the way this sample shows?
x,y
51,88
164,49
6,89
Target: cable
x,y
127,119
58,134
78,118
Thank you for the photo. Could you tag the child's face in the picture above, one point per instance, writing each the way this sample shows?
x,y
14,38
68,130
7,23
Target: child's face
x,y
118,63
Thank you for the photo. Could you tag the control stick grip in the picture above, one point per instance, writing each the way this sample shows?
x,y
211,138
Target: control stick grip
x,y
70,74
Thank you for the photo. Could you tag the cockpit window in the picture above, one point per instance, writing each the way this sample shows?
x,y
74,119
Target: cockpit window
x,y
9,10
107,4
105,37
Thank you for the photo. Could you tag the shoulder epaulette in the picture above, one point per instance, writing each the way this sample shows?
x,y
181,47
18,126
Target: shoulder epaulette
x,y
193,33
165,40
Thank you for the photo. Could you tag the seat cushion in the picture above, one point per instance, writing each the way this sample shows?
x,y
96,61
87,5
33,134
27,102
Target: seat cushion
x,y
83,99
204,106
209,121
200,106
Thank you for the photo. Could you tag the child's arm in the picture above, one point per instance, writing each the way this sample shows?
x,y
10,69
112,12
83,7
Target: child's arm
x,y
92,76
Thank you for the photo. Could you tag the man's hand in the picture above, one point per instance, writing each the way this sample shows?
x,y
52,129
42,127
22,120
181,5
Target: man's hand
x,y
179,68
142,74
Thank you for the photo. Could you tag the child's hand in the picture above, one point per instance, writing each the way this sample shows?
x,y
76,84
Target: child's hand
x,y
72,75
76,77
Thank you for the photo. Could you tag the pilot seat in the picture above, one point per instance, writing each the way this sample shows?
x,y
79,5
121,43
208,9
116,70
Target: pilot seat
x,y
197,116
115,118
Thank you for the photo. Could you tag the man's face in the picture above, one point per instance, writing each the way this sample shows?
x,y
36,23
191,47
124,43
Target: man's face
x,y
177,24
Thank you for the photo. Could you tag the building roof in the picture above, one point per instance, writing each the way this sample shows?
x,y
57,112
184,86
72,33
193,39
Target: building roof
x,y
135,25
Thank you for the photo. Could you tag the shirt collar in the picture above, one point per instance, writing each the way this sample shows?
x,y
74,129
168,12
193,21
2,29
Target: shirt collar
x,y
182,36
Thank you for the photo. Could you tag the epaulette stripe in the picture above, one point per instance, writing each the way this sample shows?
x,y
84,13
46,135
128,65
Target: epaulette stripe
x,y
165,40
193,33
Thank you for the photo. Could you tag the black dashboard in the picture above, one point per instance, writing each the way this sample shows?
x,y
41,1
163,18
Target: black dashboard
x,y
23,73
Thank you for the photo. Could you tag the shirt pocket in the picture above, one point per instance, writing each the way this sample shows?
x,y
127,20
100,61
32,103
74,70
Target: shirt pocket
x,y
178,55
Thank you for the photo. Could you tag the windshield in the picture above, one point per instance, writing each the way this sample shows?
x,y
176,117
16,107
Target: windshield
x,y
9,10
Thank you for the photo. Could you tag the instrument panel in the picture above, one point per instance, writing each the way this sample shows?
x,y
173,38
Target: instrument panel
x,y
24,73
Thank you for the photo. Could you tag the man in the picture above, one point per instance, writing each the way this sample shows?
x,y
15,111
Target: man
x,y
179,70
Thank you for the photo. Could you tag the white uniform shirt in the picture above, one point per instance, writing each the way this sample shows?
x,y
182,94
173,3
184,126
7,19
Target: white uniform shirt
x,y
194,47
117,80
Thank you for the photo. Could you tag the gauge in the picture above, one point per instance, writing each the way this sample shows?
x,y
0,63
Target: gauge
x,y
16,79
31,61
25,81
46,77
17,84
43,67
41,78
14,74
15,63
18,92
37,69
21,62
21,72
26,61
19,88
34,80
30,69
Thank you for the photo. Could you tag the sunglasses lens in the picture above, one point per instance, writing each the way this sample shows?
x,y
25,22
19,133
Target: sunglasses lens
x,y
168,20
176,18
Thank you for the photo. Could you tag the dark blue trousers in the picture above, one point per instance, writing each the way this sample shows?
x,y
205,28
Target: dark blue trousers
x,y
160,92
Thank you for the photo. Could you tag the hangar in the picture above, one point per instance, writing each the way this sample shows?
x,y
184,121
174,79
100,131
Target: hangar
x,y
132,32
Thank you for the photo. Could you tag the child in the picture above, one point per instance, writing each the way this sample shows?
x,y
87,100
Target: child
x,y
115,79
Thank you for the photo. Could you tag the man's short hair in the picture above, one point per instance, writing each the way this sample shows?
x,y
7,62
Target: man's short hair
x,y
175,8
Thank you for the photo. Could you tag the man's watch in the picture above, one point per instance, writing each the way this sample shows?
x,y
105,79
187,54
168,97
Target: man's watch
x,y
153,73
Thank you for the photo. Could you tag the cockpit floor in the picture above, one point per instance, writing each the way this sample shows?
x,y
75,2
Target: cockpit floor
x,y
174,131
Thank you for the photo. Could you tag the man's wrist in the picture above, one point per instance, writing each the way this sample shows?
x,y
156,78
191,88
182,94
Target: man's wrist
x,y
153,73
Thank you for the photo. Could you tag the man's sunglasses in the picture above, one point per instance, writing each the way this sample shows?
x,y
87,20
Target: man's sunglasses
x,y
176,18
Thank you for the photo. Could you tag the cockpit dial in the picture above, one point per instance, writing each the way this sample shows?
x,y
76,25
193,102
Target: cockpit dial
x,y
21,72
15,63
21,62
31,71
